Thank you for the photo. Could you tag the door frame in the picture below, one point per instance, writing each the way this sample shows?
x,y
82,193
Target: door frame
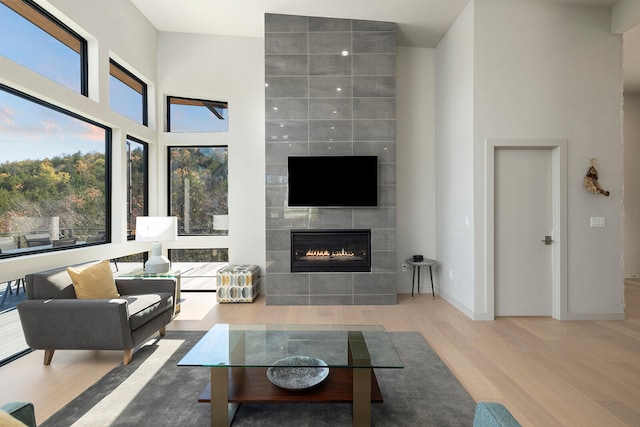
x,y
558,147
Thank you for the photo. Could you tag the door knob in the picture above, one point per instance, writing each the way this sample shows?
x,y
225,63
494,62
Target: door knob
x,y
547,240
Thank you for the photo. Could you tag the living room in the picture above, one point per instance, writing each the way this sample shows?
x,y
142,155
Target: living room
x,y
475,84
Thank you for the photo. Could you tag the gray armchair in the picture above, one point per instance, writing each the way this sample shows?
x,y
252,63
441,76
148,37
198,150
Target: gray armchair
x,y
21,411
53,318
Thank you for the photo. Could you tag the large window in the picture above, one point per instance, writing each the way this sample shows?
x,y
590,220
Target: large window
x,y
54,176
137,179
196,115
127,93
198,189
32,37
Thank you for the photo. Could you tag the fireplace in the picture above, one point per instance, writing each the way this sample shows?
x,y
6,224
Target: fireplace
x,y
330,250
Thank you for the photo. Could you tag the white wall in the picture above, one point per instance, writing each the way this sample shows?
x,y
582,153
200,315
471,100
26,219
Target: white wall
x,y
554,71
225,69
415,157
454,162
631,185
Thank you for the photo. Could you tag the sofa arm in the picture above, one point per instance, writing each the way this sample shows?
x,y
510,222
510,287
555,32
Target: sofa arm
x,y
76,324
135,286
493,414
21,411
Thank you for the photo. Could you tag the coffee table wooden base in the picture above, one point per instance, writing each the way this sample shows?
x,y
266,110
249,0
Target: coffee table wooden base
x,y
251,385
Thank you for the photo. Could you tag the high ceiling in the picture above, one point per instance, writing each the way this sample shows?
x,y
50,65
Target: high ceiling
x,y
421,23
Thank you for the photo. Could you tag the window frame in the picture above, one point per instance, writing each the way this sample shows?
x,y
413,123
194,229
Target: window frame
x,y
131,233
48,23
108,171
129,79
181,100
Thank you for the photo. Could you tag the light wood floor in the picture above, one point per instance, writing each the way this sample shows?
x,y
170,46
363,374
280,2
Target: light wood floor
x,y
547,372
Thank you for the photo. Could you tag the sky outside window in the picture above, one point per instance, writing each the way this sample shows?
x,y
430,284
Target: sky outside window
x,y
28,45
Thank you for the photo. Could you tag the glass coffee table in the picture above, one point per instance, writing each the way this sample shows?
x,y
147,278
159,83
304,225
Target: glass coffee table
x,y
292,363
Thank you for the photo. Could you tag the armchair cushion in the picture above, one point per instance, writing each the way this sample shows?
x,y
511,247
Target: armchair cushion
x,y
17,414
7,420
94,282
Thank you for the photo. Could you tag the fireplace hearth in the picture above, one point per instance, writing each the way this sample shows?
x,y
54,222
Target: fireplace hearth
x,y
330,250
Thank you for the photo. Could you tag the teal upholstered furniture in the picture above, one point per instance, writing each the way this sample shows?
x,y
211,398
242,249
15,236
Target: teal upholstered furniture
x,y
493,414
54,319
21,411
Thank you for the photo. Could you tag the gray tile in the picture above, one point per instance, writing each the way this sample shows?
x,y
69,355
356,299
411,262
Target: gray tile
x,y
375,86
362,25
382,239
387,196
331,284
375,64
374,42
383,262
374,218
331,299
387,174
329,65
276,196
330,218
278,262
385,150
285,23
330,43
281,219
329,24
331,108
334,148
289,284
276,174
374,130
279,151
286,43
286,87
330,130
286,65
278,240
287,130
286,108
374,108
375,283
330,86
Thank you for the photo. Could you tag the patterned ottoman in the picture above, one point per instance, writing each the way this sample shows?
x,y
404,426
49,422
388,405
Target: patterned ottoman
x,y
238,283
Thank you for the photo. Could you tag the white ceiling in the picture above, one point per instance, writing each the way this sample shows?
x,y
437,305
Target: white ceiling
x,y
421,23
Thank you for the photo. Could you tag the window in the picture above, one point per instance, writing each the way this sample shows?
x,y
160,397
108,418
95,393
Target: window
x,y
198,189
54,176
137,183
32,37
127,94
196,115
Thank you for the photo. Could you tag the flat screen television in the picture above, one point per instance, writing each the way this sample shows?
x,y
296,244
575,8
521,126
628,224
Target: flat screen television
x,y
333,181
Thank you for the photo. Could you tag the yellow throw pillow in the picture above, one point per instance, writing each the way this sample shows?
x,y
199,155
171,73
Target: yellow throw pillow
x,y
94,282
7,420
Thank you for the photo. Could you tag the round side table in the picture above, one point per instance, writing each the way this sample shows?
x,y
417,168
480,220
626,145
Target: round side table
x,y
416,266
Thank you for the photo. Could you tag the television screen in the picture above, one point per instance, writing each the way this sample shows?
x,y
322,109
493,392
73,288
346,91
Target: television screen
x,y
333,181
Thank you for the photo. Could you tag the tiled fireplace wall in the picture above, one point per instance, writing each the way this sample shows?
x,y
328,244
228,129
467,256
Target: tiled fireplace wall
x,y
330,90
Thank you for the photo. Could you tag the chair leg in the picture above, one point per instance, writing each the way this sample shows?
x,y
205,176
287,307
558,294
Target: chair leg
x,y
128,355
162,331
48,355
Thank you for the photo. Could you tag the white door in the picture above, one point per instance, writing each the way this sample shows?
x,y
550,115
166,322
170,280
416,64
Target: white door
x,y
523,217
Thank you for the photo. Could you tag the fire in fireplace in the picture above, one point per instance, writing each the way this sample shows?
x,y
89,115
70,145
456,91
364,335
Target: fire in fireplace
x,y
330,250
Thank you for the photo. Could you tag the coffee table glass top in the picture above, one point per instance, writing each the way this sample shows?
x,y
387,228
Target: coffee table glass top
x,y
249,345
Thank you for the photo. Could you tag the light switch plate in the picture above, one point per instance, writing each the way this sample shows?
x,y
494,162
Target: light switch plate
x,y
597,222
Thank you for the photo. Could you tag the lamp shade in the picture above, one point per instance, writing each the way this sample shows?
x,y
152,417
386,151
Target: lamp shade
x,y
156,228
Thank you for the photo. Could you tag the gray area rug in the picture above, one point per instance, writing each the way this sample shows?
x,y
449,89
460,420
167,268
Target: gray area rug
x,y
153,391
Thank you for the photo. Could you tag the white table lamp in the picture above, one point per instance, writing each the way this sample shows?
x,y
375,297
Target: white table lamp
x,y
156,229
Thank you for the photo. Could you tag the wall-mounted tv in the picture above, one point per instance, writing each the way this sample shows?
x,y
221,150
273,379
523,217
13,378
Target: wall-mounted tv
x,y
333,181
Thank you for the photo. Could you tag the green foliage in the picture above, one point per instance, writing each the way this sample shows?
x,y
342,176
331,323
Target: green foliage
x,y
71,187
